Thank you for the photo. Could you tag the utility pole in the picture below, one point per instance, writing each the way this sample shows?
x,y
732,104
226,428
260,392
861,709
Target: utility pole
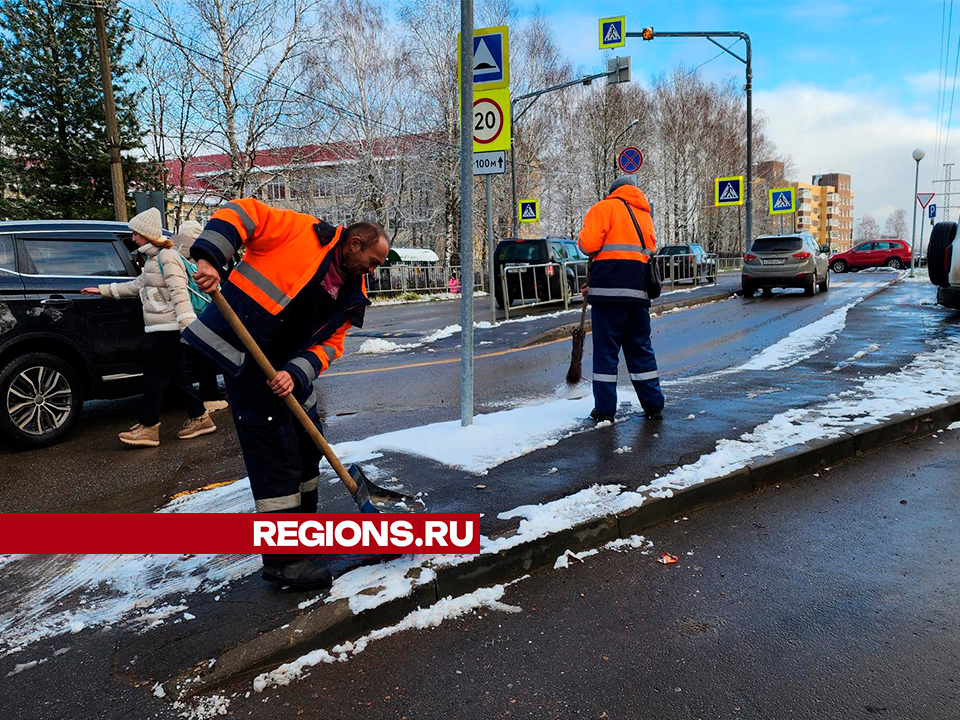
x,y
466,213
113,138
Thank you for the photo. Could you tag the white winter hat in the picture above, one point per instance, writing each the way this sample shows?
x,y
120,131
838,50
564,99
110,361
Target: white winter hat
x,y
147,224
190,229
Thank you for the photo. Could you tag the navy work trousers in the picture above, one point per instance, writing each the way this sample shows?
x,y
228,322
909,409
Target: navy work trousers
x,y
282,461
626,325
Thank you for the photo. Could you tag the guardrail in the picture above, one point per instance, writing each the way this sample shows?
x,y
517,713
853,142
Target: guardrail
x,y
697,269
534,283
423,279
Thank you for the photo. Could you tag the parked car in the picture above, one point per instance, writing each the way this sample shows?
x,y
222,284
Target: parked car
x,y
874,253
58,348
686,262
787,261
943,263
541,283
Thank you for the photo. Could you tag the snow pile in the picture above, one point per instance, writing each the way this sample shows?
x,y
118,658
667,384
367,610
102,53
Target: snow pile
x,y
928,380
20,667
494,438
954,426
801,344
376,346
448,608
203,708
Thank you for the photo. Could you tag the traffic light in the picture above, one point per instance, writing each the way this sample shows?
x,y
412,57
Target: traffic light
x,y
618,70
647,33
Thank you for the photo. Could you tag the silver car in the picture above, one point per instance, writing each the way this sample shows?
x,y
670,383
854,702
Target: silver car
x,y
787,261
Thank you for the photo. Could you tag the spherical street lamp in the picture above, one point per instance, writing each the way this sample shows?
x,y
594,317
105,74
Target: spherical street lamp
x,y
918,155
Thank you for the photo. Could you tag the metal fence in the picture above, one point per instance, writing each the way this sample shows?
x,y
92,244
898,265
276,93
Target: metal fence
x,y
422,279
535,284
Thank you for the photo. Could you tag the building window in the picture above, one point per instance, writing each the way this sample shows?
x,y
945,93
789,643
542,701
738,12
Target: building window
x,y
323,188
276,189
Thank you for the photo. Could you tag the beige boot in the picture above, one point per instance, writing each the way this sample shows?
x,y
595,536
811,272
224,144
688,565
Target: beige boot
x,y
141,436
215,405
194,427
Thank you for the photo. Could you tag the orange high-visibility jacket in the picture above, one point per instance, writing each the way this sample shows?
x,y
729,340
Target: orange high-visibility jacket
x,y
618,272
283,251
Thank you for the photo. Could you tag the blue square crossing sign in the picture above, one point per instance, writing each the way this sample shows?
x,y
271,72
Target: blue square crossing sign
x,y
613,32
728,191
782,201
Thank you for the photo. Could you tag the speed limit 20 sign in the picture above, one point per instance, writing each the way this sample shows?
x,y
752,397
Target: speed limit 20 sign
x,y
491,120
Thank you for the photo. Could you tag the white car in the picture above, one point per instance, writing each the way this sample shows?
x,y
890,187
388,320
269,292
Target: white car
x,y
943,262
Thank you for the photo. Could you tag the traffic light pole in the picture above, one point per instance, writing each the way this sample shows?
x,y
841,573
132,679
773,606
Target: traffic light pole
x,y
649,34
515,117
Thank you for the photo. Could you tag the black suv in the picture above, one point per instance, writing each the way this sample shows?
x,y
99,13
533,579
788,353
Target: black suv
x,y
542,282
58,348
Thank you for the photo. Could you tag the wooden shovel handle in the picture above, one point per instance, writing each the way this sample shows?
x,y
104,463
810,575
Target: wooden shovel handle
x,y
251,345
583,310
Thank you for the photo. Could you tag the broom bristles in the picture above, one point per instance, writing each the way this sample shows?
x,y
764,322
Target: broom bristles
x,y
574,373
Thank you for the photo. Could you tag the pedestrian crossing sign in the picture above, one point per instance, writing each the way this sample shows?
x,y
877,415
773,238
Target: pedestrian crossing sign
x,y
782,201
529,211
728,191
613,32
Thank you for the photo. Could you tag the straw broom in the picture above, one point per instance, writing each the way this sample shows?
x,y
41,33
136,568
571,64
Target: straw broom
x,y
575,371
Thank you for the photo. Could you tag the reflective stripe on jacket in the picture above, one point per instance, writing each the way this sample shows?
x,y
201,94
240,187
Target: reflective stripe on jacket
x,y
283,251
618,272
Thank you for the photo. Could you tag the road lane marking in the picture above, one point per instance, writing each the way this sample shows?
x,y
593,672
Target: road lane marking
x,y
448,361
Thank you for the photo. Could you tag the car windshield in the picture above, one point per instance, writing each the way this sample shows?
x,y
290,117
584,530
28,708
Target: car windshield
x,y
522,252
777,244
674,250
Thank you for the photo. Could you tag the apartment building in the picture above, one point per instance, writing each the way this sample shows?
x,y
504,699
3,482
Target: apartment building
x,y
825,209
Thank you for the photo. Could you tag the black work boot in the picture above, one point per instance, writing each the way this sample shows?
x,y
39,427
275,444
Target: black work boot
x,y
653,414
599,417
305,573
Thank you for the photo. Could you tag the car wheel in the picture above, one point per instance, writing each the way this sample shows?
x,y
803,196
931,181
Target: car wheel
x,y
810,285
747,290
41,399
839,266
825,285
941,239
894,263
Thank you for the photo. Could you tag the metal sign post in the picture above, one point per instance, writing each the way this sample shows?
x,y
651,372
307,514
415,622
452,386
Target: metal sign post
x,y
491,285
466,215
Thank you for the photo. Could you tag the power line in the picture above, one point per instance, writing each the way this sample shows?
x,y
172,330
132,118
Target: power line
x,y
946,144
941,77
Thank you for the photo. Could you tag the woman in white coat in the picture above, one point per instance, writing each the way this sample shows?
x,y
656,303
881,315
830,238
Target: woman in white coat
x,y
163,291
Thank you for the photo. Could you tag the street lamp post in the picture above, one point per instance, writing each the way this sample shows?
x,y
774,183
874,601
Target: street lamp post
x,y
616,140
918,155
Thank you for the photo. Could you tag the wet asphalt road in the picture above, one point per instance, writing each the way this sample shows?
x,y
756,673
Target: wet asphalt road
x,y
93,472
368,394
831,597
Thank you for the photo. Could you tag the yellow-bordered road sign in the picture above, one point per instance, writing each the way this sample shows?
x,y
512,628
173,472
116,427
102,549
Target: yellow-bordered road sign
x,y
613,32
529,210
728,191
783,201
491,120
491,58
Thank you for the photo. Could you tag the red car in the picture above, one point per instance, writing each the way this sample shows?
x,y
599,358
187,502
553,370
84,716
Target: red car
x,y
873,253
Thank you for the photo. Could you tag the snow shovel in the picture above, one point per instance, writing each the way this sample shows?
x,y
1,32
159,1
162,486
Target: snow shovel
x,y
370,498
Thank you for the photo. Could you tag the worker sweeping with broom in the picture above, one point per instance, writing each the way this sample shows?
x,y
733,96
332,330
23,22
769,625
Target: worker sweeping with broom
x,y
278,324
618,236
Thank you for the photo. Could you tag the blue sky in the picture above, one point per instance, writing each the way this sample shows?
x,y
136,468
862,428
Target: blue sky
x,y
846,86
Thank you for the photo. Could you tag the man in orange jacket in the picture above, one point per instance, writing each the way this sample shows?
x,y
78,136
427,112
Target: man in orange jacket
x,y
298,289
620,305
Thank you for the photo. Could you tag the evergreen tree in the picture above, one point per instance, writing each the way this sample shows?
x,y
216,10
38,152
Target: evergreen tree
x,y
53,156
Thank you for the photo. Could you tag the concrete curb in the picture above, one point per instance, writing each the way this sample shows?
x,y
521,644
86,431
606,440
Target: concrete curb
x,y
562,331
334,623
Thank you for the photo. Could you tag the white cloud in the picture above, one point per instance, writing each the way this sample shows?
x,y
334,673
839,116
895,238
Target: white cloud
x,y
928,82
862,134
